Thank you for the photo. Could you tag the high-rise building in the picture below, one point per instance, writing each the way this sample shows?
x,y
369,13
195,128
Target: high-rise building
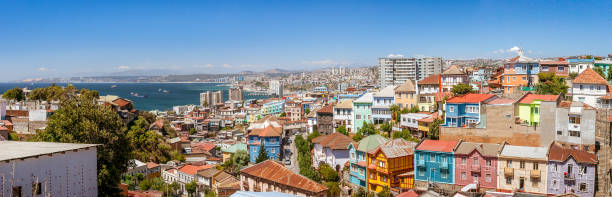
x,y
275,88
209,99
397,70
236,94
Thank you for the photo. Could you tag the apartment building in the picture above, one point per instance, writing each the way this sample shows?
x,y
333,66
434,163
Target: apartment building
x,y
522,168
397,70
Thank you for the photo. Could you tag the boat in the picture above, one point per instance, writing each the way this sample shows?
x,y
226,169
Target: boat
x,y
166,91
113,86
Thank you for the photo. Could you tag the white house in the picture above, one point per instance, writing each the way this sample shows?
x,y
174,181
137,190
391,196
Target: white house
x,y
588,87
410,120
331,149
48,169
343,115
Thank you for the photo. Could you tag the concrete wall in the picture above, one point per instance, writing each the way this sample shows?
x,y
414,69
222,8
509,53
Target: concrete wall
x,y
61,174
38,115
500,127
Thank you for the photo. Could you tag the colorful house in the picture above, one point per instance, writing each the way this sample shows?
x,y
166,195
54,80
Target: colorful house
x,y
382,100
388,162
476,163
522,168
406,95
273,106
268,138
520,73
428,87
362,109
332,149
588,87
228,152
604,64
358,153
435,163
528,107
464,111
559,67
580,65
343,115
570,171
453,76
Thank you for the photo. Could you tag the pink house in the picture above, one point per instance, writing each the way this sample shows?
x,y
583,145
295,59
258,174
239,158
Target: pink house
x,y
476,163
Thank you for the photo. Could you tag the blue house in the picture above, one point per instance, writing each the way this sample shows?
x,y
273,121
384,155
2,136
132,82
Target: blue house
x,y
381,103
434,161
269,138
464,111
358,156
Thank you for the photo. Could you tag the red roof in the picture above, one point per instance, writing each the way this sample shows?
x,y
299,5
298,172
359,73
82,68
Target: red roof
x,y
554,62
152,165
328,109
193,169
431,80
121,102
589,76
529,98
269,131
437,145
203,146
410,193
336,141
2,128
561,154
439,96
275,172
470,98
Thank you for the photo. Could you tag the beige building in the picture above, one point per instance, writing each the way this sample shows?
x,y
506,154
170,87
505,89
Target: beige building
x,y
522,168
406,95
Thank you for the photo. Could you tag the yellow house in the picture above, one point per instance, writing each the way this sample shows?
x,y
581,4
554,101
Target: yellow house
x,y
405,95
390,165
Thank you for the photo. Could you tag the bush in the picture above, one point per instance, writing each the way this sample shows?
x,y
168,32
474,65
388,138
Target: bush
x,y
328,173
333,189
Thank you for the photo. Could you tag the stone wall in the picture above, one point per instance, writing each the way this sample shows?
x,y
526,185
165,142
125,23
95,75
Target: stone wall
x,y
602,137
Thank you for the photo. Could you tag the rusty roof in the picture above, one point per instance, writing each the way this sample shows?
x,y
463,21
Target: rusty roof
x,y
275,172
470,98
589,76
431,80
327,109
335,141
269,131
561,154
485,149
395,148
437,145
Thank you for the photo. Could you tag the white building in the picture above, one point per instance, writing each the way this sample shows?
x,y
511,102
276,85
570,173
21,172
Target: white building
x,y
396,70
343,115
275,88
588,87
209,99
410,120
2,110
48,169
580,65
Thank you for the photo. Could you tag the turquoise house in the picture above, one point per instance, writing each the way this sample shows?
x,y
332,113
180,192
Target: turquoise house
x,y
604,64
362,111
434,161
358,156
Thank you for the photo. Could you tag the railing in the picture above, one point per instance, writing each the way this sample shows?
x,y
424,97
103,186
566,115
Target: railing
x,y
535,174
475,168
509,171
569,177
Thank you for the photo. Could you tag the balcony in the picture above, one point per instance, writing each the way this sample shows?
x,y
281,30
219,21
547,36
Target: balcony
x,y
535,174
509,172
444,165
421,162
474,168
568,177
573,127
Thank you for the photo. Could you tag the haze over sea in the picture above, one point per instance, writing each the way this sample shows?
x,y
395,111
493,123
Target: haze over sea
x,y
178,93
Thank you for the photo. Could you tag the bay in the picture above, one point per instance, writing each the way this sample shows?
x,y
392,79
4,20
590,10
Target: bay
x,y
151,96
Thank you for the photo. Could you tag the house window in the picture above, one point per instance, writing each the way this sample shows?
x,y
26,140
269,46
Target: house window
x,y
422,157
574,133
463,176
17,191
373,175
471,109
508,164
488,178
432,158
583,187
535,165
489,162
451,109
559,132
381,164
524,78
352,155
37,188
534,183
581,87
569,169
556,168
444,159
444,174
508,180
475,161
463,160
522,165
536,110
560,68
422,172
544,68
583,170
574,120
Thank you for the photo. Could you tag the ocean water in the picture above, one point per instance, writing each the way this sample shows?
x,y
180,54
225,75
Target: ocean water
x,y
178,93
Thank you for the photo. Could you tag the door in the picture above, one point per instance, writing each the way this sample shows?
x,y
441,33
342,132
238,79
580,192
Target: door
x,y
522,183
475,177
432,175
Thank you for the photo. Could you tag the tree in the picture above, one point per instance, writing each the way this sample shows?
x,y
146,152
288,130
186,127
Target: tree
x,y
360,192
191,188
434,129
192,131
148,145
262,156
342,129
239,160
211,194
313,135
328,173
81,120
15,94
549,83
173,188
395,109
307,111
333,189
461,89
573,75
283,114
599,71
384,193
609,77
387,128
405,134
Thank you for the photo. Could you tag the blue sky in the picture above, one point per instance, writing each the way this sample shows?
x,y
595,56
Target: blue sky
x,y
66,38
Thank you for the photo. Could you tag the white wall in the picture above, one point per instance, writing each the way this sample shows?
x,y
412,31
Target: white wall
x,y
38,115
69,174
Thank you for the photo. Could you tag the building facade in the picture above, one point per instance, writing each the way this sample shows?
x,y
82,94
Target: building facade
x,y
325,119
358,152
382,101
236,93
559,67
570,171
427,89
406,95
523,168
528,107
476,163
210,99
362,110
343,115
387,162
332,149
397,70
453,76
588,87
580,65
275,88
435,163
465,110
520,72
268,138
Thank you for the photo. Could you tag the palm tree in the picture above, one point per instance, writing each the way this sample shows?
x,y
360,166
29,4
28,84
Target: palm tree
x,y
394,110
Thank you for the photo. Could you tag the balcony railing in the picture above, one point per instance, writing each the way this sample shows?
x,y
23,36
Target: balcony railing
x,y
509,172
475,168
535,174
569,177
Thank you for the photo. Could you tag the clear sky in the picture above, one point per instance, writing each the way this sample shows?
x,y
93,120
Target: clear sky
x,y
66,38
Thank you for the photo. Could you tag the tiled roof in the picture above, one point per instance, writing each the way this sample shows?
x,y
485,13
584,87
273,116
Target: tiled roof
x,y
152,165
121,102
395,148
437,145
553,62
370,142
410,193
453,70
589,76
268,131
485,149
522,59
439,96
275,172
386,92
568,104
408,86
193,169
501,101
524,152
431,80
336,141
347,104
561,154
208,173
529,98
327,109
470,98
203,146
229,183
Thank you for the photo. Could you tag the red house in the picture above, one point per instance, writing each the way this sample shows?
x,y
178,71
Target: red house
x,y
476,163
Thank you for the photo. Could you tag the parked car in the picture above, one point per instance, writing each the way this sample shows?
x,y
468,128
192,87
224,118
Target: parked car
x,y
288,162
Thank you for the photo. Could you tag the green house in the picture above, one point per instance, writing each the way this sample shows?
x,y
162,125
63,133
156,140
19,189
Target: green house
x,y
528,107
